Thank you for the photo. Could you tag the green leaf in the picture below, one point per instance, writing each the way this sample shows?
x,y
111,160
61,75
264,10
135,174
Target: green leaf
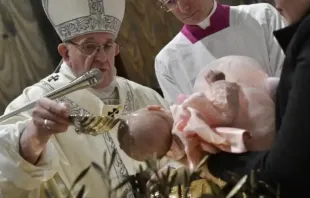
x,y
187,183
112,160
48,194
179,191
253,183
186,178
141,168
80,177
237,187
173,179
100,171
122,184
97,167
201,163
153,164
105,164
81,192
269,188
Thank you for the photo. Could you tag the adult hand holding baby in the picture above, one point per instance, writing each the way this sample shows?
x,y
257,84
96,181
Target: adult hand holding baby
x,y
196,148
197,117
231,98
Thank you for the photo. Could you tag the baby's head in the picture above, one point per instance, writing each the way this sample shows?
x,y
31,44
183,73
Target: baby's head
x,y
145,134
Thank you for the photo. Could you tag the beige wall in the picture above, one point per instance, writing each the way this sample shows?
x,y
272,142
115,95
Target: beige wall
x,y
145,30
23,56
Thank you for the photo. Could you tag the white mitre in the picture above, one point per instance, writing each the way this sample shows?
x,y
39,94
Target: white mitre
x,y
73,18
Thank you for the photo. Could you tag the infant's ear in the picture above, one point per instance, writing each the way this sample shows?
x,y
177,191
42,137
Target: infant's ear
x,y
271,85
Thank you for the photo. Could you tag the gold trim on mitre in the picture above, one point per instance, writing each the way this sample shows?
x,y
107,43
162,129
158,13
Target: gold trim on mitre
x,y
73,18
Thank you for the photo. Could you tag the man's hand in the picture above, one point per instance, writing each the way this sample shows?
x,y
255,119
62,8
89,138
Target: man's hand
x,y
48,118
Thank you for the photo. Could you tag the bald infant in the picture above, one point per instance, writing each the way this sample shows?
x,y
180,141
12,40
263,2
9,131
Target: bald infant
x,y
231,109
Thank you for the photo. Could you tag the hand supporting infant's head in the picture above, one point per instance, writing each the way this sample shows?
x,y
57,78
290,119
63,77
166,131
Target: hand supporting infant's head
x,y
146,133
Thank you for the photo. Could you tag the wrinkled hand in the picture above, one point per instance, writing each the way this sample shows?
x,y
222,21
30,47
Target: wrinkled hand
x,y
50,117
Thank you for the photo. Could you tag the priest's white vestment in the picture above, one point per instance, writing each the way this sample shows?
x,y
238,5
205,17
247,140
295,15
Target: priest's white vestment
x,y
68,154
245,30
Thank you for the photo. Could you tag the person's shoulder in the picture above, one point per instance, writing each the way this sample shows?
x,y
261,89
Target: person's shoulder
x,y
258,11
54,81
45,85
30,93
254,8
168,51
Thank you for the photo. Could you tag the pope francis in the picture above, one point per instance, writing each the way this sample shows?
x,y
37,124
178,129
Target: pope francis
x,y
39,150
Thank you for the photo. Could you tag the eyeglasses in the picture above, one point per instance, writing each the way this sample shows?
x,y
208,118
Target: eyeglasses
x,y
168,5
90,48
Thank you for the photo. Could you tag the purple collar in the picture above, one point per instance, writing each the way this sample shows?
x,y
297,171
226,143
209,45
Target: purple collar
x,y
218,21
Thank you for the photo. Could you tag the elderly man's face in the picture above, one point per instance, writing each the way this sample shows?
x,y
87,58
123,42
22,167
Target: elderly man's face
x,y
189,12
292,10
82,54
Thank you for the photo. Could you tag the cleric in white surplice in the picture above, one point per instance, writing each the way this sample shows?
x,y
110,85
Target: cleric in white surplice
x,y
211,31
